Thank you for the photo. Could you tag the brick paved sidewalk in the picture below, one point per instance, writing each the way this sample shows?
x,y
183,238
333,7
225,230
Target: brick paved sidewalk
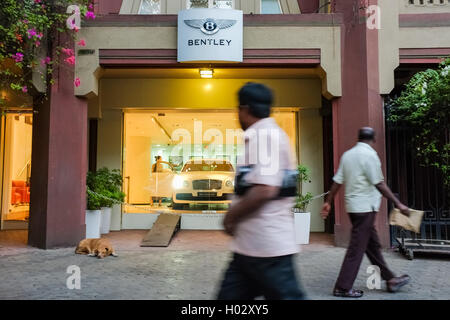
x,y
190,268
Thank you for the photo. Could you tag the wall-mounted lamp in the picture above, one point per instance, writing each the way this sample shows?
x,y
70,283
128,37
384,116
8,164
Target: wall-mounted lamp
x,y
206,73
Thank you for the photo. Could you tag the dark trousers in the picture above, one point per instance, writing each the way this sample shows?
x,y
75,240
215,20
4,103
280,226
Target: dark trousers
x,y
364,239
249,277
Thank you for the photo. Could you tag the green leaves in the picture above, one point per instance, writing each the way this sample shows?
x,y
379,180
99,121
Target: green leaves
x,y
303,200
18,18
103,188
424,105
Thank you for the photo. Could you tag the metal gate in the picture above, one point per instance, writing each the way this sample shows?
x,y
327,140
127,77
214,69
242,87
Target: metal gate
x,y
420,188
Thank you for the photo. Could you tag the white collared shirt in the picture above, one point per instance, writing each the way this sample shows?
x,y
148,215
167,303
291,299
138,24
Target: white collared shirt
x,y
360,170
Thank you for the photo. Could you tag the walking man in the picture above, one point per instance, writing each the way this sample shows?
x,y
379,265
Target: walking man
x,y
261,224
360,171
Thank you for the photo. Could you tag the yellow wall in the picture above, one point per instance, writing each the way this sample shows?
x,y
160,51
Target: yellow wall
x,y
202,93
311,155
21,147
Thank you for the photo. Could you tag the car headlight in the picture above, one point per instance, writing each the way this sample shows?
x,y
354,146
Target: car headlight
x,y
229,183
178,183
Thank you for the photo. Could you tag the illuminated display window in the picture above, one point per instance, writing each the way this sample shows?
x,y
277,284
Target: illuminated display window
x,y
185,160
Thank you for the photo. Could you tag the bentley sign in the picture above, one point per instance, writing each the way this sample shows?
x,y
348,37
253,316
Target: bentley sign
x,y
210,35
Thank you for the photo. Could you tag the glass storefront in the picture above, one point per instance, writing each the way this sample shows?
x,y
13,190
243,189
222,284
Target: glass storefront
x,y
185,159
16,170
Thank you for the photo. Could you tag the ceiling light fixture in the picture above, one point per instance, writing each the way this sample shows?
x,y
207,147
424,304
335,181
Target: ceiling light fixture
x,y
206,73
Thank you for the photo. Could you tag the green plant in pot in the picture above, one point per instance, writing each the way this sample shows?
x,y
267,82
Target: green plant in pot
x,y
93,200
109,184
303,200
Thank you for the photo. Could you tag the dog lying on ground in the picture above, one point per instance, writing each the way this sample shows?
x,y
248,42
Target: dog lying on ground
x,y
96,247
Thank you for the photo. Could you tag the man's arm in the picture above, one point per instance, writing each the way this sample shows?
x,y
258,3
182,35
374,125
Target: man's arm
x,y
168,163
254,199
385,191
327,205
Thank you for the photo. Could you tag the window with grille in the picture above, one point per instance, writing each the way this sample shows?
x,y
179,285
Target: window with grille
x,y
220,4
150,7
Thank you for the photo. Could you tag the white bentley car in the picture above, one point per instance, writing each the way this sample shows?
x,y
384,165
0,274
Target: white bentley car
x,y
206,181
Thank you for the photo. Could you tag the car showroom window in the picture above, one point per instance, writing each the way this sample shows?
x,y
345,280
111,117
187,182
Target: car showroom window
x,y
150,7
270,7
220,4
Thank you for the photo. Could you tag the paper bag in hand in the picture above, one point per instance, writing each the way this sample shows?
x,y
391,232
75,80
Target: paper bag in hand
x,y
411,223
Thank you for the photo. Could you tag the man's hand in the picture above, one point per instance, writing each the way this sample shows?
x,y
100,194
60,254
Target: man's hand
x,y
385,191
403,209
325,210
229,224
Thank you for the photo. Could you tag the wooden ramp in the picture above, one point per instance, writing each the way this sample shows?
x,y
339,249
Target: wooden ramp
x,y
162,231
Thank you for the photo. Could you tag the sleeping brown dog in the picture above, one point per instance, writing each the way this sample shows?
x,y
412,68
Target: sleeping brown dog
x,y
96,247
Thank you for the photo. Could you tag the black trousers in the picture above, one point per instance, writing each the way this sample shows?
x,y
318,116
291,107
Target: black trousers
x,y
364,239
249,277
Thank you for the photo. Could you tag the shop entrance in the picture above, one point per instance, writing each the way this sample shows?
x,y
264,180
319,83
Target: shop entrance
x,y
184,161
177,115
16,135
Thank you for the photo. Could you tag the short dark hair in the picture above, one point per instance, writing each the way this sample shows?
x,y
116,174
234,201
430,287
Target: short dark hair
x,y
257,97
366,134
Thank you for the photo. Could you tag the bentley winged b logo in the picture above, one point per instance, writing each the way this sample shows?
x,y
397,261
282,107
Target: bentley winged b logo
x,y
210,26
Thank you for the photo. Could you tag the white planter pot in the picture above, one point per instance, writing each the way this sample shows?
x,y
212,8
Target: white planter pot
x,y
93,221
116,216
302,222
106,220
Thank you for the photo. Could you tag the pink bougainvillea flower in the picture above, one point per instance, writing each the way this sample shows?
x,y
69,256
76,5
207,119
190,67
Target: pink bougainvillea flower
x,y
75,28
31,33
67,51
18,57
81,43
89,15
24,89
77,82
70,60
46,61
40,35
37,1
37,43
91,6
25,21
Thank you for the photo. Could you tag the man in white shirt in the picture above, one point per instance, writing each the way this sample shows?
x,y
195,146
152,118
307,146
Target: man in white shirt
x,y
360,171
261,223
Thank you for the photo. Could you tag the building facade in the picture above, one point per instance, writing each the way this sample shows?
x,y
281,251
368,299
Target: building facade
x,y
330,66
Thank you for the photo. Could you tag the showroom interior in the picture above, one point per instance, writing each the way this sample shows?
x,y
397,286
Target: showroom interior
x,y
182,115
15,162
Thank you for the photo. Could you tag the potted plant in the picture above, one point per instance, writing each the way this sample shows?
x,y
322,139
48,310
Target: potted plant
x,y
302,218
109,184
93,205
